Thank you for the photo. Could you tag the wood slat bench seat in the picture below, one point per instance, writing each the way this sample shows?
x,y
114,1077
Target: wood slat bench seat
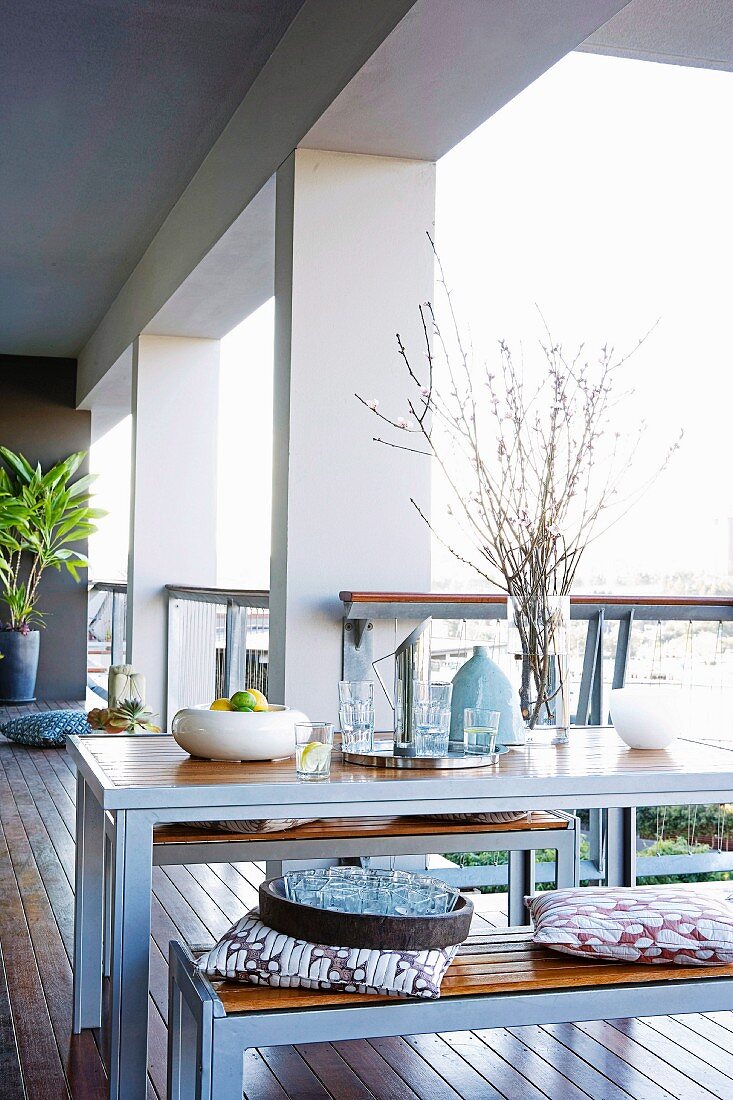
x,y
328,838
339,828
484,964
500,980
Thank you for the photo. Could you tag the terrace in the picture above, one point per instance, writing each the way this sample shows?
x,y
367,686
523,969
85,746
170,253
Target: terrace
x,y
203,162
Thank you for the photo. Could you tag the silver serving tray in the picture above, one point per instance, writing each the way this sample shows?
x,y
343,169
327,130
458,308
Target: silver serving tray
x,y
383,757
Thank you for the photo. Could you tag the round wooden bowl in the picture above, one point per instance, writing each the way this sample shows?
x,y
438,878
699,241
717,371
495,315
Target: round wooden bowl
x,y
367,930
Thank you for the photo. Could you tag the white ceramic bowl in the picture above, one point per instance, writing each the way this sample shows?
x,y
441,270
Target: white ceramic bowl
x,y
237,735
647,717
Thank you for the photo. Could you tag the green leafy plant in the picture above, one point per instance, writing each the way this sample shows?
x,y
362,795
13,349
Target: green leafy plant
x,y
42,517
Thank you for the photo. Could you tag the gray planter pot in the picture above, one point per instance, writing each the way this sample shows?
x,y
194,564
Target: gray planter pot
x,y
19,665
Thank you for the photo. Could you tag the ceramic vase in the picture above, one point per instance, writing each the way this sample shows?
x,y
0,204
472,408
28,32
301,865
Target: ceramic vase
x,y
481,683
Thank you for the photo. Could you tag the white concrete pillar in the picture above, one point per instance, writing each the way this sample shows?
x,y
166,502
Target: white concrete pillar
x,y
352,265
175,399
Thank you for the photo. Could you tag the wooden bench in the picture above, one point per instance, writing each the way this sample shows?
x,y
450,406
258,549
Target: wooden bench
x,y
356,837
496,980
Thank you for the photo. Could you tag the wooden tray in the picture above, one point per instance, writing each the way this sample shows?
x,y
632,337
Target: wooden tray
x,y
372,931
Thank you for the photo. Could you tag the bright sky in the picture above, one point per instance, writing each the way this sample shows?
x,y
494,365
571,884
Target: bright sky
x,y
601,195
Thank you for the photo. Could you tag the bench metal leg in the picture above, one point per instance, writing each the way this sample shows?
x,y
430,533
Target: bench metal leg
x,y
227,1067
521,883
191,1010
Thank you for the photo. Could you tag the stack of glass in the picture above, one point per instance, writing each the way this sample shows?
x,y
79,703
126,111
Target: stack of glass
x,y
362,890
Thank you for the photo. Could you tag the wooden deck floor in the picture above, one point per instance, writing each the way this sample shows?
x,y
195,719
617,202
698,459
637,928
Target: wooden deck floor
x,y
686,1057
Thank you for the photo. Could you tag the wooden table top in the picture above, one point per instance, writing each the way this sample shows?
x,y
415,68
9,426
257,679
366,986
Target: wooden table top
x,y
595,761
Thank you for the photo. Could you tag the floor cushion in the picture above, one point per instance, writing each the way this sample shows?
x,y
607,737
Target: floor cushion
x,y
46,728
644,924
251,952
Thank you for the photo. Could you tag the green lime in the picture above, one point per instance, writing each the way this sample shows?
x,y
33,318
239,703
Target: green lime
x,y
243,700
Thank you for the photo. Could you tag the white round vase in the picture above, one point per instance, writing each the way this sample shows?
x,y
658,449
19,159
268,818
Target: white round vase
x,y
647,717
237,735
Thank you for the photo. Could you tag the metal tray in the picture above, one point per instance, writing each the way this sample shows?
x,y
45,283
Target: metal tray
x,y
383,757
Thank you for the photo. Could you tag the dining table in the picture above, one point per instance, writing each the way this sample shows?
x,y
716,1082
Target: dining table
x,y
140,781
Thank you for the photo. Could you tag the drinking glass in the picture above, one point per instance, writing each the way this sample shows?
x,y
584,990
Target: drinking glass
x,y
344,897
431,718
480,728
356,715
313,745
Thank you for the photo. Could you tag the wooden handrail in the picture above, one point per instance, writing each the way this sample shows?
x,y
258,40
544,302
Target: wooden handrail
x,y
438,598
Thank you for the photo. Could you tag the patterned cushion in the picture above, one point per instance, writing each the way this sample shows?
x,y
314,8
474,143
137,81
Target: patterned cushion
x,y
46,729
253,953
253,824
644,924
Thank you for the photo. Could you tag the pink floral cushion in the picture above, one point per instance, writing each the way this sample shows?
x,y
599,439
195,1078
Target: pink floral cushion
x,y
644,924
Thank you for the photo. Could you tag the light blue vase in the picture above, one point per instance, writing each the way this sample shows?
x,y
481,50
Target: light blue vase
x,y
481,683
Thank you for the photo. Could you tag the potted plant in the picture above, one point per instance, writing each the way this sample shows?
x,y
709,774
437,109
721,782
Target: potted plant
x,y
43,517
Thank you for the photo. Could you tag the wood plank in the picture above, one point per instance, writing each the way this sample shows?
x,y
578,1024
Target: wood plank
x,y
657,1041
11,1077
333,1072
545,1076
374,1072
494,1068
646,1062
48,947
459,1074
587,1077
414,1070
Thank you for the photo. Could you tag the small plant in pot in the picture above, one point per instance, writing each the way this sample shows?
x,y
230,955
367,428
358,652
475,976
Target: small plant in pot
x,y
43,518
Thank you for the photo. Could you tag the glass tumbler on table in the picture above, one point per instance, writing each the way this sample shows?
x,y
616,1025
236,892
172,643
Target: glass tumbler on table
x,y
480,728
431,718
313,745
356,715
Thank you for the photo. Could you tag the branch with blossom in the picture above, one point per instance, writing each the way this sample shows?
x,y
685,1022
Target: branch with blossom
x,y
536,469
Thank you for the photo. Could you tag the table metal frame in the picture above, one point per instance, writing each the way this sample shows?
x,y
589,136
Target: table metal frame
x,y
139,808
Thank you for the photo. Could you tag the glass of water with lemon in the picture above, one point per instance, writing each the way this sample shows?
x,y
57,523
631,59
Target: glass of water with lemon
x,y
480,727
313,745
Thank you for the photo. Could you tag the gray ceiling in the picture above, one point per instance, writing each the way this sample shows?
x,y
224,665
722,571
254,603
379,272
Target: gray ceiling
x,y
679,32
108,108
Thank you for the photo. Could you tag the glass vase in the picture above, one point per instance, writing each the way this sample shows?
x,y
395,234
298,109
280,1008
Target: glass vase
x,y
538,640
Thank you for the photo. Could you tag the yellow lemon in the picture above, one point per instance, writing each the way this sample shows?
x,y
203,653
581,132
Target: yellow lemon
x,y
221,704
262,703
314,757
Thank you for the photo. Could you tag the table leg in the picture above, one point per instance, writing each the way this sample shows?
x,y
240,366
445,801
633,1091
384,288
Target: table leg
x,y
521,883
88,908
621,846
131,897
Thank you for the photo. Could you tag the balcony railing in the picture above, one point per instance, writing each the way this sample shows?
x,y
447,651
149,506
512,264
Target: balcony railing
x,y
106,622
679,640
218,641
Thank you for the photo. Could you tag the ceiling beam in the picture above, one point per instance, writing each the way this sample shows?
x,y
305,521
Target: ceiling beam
x,y
327,43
